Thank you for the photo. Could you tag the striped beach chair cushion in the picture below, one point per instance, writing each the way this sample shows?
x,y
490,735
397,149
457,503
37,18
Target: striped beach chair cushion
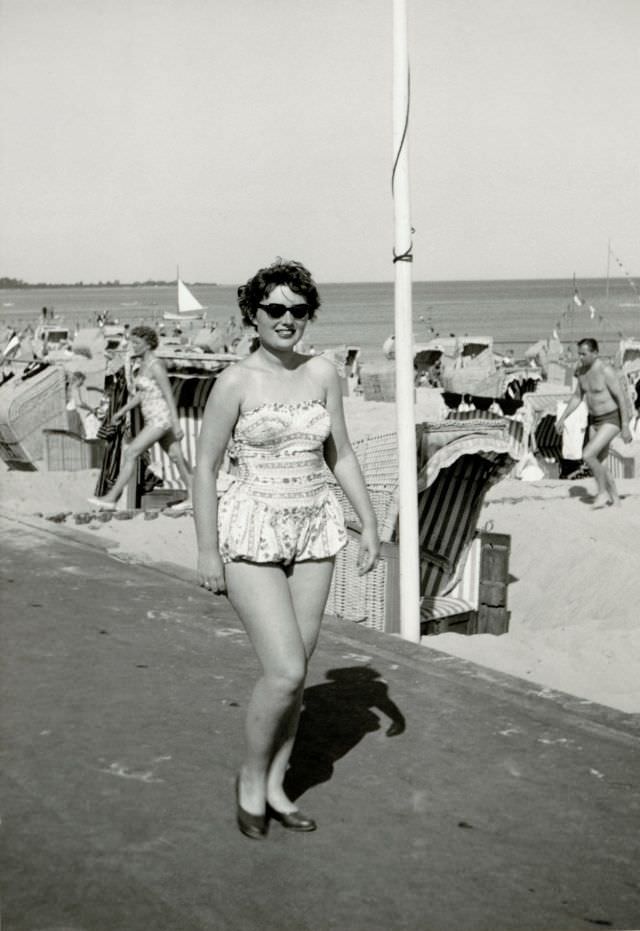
x,y
433,609
464,597
547,440
473,414
447,516
467,587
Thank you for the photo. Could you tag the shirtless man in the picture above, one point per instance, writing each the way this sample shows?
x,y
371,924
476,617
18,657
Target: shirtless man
x,y
600,388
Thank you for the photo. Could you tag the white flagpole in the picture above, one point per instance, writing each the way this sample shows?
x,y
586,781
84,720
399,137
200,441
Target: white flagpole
x,y
405,414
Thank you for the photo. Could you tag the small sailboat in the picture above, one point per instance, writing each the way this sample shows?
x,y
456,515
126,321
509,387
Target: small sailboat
x,y
188,306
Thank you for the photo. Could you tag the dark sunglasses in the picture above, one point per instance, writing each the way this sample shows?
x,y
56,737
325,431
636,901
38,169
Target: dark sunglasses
x,y
276,311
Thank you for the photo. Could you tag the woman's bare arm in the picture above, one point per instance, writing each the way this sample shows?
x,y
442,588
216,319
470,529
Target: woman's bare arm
x,y
220,416
342,461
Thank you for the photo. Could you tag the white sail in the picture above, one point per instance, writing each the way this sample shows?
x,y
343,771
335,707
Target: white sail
x,y
188,306
187,303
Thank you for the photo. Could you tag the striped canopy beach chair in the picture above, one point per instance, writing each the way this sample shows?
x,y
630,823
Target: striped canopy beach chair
x,y
457,464
462,571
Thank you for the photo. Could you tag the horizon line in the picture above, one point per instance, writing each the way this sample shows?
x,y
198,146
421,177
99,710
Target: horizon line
x,y
149,282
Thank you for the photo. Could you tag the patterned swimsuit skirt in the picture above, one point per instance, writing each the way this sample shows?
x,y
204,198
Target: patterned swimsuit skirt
x,y
279,507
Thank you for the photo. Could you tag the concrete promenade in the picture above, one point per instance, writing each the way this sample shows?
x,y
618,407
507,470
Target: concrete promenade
x,y
448,797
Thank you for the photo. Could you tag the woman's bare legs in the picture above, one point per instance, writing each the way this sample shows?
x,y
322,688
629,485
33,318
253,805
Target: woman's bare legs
x,y
142,441
267,603
309,584
260,595
173,449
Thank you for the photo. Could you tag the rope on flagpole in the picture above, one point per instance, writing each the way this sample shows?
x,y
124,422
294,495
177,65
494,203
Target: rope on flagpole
x,y
406,256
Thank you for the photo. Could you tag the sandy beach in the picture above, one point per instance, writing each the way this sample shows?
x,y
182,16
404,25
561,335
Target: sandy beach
x,y
573,594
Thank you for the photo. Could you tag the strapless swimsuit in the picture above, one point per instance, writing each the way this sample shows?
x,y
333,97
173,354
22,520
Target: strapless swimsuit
x,y
278,506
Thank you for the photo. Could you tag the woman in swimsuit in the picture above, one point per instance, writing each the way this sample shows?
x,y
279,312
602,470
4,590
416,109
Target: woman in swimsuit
x,y
152,391
270,539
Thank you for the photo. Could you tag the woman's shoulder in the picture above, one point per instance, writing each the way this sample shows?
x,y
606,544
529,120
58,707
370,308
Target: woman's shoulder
x,y
234,377
156,365
318,363
322,368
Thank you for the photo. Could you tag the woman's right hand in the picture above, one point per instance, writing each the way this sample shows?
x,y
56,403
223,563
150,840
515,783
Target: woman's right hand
x,y
369,551
211,573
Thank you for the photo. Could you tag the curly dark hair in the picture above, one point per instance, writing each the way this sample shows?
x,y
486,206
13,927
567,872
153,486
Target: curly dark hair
x,y
590,343
147,333
282,271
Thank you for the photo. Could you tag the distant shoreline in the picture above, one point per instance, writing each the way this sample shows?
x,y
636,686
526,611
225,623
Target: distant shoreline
x,y
16,284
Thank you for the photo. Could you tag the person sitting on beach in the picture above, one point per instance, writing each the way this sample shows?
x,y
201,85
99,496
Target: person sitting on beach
x,y
271,538
152,391
231,330
600,388
81,415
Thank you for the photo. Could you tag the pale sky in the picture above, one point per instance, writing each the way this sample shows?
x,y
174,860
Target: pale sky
x,y
142,134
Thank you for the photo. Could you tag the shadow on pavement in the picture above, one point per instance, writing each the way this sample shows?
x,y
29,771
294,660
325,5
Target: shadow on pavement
x,y
336,716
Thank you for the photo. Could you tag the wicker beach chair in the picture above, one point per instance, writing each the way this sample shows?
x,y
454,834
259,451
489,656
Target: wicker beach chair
x,y
463,572
30,402
370,599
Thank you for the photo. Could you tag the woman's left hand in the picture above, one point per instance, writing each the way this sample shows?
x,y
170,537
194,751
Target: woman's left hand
x,y
369,550
178,432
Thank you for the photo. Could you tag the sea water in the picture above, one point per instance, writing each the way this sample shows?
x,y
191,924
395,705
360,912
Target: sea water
x,y
514,313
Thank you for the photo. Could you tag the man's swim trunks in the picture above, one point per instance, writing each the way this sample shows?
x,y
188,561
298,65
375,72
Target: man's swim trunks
x,y
613,417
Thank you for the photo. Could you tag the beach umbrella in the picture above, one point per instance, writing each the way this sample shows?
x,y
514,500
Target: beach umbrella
x,y
403,344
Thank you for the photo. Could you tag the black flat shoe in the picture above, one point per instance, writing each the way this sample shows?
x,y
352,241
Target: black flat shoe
x,y
292,820
253,826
